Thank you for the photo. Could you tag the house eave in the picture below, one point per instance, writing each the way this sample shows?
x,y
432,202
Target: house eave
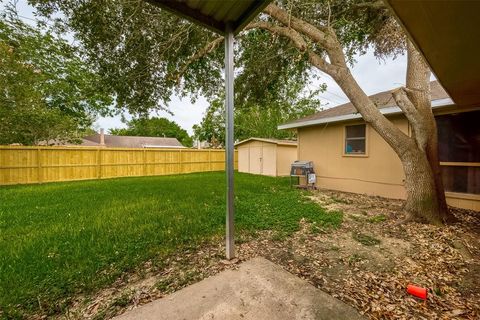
x,y
280,143
446,33
436,104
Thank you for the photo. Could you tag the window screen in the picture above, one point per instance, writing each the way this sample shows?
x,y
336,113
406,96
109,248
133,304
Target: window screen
x,y
461,179
459,137
355,139
459,141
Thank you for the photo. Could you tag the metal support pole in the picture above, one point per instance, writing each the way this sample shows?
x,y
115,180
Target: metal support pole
x,y
229,95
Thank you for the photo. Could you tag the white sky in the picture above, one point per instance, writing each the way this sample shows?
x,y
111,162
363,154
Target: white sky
x,y
372,75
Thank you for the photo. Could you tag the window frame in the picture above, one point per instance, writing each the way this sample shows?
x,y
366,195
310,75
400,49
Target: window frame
x,y
366,138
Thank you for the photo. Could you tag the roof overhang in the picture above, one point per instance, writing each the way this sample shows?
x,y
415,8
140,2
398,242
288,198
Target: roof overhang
x,y
289,143
389,111
216,15
447,33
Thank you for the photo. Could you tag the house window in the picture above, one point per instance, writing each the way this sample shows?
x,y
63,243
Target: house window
x,y
355,139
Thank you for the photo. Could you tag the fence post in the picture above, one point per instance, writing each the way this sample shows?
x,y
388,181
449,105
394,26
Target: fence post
x,y
99,163
181,161
39,165
209,160
144,162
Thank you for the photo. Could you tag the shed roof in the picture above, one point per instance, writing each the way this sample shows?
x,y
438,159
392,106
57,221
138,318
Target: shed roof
x,y
136,142
215,14
268,140
383,100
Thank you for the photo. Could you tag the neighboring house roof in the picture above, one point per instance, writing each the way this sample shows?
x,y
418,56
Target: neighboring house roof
x,y
135,142
275,141
383,100
88,143
56,142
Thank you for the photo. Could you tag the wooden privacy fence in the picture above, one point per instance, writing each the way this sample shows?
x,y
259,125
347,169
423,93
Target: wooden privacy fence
x,y
19,164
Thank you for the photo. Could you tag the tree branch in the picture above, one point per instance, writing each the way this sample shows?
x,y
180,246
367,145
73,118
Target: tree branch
x,y
418,79
316,34
413,116
291,34
417,93
325,36
379,4
404,103
298,41
294,36
211,46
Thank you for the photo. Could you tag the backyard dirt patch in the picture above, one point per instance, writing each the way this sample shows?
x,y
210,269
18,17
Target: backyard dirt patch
x,y
367,263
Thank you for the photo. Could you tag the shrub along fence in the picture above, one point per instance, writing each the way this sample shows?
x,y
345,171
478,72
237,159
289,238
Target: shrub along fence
x,y
19,164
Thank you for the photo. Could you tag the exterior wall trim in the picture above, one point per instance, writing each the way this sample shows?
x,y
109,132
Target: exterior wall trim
x,y
436,104
367,141
466,196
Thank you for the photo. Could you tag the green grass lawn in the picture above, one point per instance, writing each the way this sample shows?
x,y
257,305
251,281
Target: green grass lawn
x,y
62,239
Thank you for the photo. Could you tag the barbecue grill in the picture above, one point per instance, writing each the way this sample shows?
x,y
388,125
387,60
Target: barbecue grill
x,y
303,169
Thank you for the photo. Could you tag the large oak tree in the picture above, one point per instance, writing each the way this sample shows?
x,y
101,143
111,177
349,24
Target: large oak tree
x,y
147,54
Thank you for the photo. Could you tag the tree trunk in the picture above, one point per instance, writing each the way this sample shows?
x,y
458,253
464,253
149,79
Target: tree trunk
x,y
433,159
424,125
422,203
419,153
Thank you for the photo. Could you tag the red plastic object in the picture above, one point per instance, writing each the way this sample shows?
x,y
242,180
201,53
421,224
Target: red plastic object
x,y
418,292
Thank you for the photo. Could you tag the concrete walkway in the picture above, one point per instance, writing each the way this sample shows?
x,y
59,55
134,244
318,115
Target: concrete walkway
x,y
258,290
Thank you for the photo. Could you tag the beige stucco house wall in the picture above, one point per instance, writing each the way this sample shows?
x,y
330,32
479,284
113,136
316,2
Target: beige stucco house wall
x,y
322,139
379,172
268,157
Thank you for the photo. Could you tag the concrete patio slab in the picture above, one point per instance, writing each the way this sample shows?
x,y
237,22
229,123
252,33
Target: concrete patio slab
x,y
258,289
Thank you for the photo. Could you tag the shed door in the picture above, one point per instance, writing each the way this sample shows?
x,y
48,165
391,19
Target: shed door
x,y
243,158
269,159
255,159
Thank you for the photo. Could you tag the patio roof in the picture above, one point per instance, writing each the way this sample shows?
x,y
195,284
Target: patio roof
x,y
214,14
447,33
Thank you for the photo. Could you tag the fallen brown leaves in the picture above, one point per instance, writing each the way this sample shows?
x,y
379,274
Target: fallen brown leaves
x,y
371,276
373,279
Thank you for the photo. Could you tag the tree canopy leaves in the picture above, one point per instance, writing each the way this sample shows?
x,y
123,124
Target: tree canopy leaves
x,y
47,91
137,48
145,53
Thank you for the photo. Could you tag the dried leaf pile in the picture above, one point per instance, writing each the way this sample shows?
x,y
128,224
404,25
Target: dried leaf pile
x,y
367,263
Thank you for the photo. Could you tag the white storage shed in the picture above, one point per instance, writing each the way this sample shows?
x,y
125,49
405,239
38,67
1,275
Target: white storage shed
x,y
270,157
